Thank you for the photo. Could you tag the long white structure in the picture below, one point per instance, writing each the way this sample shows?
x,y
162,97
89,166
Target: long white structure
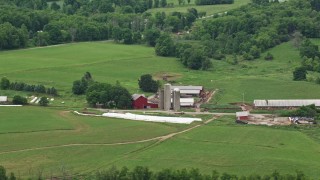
x,y
286,103
130,116
190,90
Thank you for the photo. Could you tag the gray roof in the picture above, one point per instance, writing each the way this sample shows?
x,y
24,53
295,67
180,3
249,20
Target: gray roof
x,y
286,103
187,87
136,96
242,113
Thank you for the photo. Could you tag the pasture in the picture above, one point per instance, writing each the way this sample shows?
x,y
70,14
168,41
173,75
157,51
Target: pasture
x,y
220,145
53,141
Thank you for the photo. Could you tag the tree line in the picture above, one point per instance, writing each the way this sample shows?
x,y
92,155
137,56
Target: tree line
x,y
21,27
144,173
212,2
5,84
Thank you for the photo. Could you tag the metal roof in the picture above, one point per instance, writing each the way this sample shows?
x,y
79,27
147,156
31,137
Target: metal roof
x,y
189,91
136,96
286,103
186,101
187,87
242,113
3,98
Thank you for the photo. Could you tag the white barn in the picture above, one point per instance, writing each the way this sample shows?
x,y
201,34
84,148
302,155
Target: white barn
x,y
3,98
186,102
188,90
286,103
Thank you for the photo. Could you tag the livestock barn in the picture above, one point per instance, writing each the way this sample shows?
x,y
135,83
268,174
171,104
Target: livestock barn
x,y
188,90
141,102
285,103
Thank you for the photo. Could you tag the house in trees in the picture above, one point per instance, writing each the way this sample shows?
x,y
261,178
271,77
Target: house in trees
x,y
139,101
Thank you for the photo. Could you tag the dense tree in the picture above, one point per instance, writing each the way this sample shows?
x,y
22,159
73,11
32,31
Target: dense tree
x,y
44,101
300,74
309,50
151,36
147,84
163,3
80,86
156,3
55,6
195,58
109,96
5,83
19,100
3,175
165,45
211,2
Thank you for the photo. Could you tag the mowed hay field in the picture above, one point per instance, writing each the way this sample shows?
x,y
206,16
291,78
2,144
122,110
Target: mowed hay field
x,y
33,138
220,145
59,66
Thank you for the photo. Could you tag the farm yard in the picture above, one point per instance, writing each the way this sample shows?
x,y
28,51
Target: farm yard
x,y
42,136
110,92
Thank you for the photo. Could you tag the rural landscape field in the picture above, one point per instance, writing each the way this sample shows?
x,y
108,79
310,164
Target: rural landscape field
x,y
54,142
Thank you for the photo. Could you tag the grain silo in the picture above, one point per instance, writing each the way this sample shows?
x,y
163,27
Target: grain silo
x,y
167,97
176,99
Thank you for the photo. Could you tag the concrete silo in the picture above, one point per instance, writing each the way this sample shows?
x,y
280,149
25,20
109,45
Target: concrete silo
x,y
167,97
161,99
176,99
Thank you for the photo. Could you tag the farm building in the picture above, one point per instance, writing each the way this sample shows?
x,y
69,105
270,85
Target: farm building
x,y
186,102
188,90
141,102
3,98
243,115
286,103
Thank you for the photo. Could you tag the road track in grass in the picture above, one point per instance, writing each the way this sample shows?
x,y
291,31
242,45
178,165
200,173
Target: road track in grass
x,y
158,140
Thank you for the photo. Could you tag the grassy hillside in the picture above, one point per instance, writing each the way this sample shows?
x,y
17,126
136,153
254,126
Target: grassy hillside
x,y
59,66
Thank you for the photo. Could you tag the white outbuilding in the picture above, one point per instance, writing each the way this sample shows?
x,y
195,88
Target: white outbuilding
x,y
3,98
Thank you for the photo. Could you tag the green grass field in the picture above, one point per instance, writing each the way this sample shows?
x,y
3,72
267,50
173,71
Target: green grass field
x,y
59,66
46,133
220,145
236,149
209,9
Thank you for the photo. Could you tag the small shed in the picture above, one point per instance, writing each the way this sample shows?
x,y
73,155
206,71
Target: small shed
x,y
243,115
3,98
141,102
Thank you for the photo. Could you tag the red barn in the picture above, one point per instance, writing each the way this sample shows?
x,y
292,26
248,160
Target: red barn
x,y
243,115
141,102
